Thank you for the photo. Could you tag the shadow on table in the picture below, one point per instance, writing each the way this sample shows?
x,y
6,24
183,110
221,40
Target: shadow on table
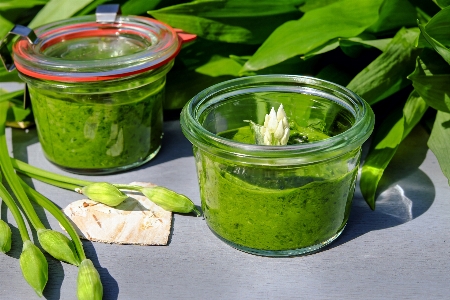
x,y
405,192
174,145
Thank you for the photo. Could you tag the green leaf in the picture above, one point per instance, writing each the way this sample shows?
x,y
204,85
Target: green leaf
x,y
5,27
387,73
91,7
439,141
6,76
380,44
395,14
334,74
386,141
431,80
315,4
346,18
15,4
220,66
440,48
138,7
56,10
442,3
437,29
232,21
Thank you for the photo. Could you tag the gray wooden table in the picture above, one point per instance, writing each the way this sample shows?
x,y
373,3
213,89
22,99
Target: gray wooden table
x,y
399,251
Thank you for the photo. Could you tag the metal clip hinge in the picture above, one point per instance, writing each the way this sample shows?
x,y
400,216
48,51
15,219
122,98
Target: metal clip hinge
x,y
107,13
5,55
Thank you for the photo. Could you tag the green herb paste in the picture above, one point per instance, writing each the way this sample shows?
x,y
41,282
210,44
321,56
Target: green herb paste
x,y
98,132
274,209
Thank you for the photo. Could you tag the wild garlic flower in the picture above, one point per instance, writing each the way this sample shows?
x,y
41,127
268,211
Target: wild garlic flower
x,y
275,130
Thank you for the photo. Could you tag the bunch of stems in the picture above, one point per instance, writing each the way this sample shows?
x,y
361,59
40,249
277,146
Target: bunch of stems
x,y
33,263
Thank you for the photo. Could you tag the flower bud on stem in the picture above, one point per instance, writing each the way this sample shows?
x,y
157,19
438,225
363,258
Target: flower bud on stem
x,y
89,285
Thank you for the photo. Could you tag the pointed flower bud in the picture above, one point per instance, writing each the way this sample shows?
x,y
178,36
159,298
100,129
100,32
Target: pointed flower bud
x,y
273,122
5,237
281,114
104,192
34,267
58,245
169,200
89,285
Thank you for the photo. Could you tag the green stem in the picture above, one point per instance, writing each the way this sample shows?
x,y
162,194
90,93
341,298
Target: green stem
x,y
4,194
10,175
30,171
57,213
61,184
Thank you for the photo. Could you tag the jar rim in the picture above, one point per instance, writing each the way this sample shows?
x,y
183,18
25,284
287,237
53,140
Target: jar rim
x,y
156,44
324,149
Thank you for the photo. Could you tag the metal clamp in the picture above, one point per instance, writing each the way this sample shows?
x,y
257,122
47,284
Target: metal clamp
x,y
107,13
5,55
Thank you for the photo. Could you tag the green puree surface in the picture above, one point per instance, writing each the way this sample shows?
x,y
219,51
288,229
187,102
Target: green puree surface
x,y
274,209
78,132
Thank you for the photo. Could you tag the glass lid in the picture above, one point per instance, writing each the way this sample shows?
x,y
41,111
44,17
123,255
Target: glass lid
x,y
84,49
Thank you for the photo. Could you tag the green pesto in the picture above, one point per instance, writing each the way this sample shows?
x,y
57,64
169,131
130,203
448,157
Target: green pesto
x,y
98,131
275,209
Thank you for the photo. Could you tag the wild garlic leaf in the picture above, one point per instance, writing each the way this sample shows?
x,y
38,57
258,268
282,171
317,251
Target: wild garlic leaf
x,y
439,47
232,21
138,7
437,28
395,14
220,66
442,3
439,141
387,73
56,10
5,27
431,80
346,18
315,4
16,4
386,141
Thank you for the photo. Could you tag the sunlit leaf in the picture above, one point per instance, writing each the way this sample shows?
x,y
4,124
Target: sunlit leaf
x,y
439,141
431,80
346,18
220,66
386,141
56,10
15,4
387,74
138,7
232,21
5,26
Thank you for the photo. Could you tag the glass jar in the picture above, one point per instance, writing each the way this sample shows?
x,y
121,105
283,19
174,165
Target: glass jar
x,y
277,200
97,88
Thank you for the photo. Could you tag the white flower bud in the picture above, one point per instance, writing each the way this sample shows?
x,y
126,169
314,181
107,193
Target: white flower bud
x,y
266,120
278,134
281,113
285,137
267,138
285,122
273,123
